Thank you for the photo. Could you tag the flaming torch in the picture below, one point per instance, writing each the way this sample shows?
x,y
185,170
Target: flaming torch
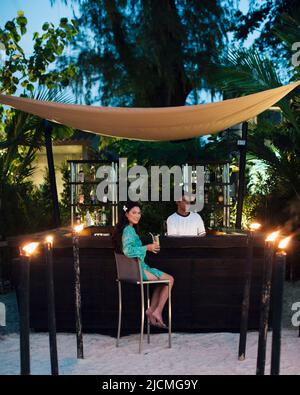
x,y
48,248
279,277
265,302
25,258
246,296
75,238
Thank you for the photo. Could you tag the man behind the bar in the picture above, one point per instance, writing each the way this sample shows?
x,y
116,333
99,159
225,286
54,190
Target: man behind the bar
x,y
184,222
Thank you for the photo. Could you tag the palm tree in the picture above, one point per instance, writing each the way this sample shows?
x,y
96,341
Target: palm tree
x,y
244,72
22,135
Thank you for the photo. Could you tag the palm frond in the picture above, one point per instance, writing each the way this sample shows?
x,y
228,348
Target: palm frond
x,y
244,71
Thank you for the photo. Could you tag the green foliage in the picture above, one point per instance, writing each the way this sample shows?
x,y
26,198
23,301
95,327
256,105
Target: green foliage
x,y
265,17
275,144
27,72
65,196
24,208
147,53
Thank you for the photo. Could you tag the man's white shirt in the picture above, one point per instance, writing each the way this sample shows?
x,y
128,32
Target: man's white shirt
x,y
190,225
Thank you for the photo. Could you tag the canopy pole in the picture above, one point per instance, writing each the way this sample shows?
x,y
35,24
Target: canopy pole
x,y
52,179
242,169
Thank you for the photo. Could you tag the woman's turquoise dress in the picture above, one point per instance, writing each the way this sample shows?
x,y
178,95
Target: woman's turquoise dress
x,y
133,248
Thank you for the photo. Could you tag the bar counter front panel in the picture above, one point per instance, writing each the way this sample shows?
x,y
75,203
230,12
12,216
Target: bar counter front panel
x,y
207,293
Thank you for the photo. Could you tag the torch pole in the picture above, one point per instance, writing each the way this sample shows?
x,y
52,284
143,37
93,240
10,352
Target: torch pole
x,y
264,310
51,308
279,276
77,296
24,315
246,297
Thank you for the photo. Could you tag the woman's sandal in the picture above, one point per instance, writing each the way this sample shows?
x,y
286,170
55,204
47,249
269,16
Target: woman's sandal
x,y
155,322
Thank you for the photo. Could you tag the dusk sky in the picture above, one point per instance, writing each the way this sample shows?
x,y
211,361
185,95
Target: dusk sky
x,y
39,11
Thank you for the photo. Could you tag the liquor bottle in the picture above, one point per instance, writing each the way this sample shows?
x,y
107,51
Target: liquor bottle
x,y
93,196
78,219
220,194
194,176
211,220
81,175
206,199
88,219
207,176
220,198
103,217
93,174
96,218
219,175
80,198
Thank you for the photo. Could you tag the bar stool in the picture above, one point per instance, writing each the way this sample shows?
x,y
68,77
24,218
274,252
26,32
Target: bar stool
x,y
129,270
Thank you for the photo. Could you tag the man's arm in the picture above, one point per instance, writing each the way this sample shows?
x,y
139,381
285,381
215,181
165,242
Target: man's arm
x,y
201,227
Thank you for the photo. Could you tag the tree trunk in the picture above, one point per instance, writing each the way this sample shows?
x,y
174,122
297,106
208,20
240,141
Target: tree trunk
x,y
52,179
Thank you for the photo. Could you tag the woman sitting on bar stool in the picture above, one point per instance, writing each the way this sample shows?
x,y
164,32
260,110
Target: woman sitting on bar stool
x,y
128,242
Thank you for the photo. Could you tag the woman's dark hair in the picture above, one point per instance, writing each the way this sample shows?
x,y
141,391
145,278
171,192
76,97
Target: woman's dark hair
x,y
123,222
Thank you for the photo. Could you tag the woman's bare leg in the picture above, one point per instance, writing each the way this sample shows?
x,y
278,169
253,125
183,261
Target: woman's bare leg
x,y
163,297
154,299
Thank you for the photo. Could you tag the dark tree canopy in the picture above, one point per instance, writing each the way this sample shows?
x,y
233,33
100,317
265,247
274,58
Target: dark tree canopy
x,y
147,52
266,17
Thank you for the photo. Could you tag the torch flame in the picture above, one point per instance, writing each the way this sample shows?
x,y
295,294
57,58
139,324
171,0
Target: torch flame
x,y
29,249
273,236
49,239
284,243
78,228
254,226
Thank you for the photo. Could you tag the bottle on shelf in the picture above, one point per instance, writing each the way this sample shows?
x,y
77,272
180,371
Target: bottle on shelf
x,y
96,218
211,220
194,176
207,176
88,219
78,219
219,175
93,196
93,173
80,198
81,175
220,194
103,217
206,197
221,198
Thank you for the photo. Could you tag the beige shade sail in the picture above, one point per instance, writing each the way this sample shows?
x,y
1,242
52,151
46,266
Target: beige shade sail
x,y
153,124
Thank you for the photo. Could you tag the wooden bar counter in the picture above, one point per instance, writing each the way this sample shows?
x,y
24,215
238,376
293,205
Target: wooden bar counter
x,y
207,294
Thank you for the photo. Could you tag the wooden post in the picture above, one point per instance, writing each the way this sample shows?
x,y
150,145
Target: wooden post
x,y
242,169
77,296
24,315
246,297
279,277
264,310
51,308
52,178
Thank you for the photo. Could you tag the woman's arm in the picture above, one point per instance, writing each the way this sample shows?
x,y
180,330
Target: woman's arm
x,y
130,248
